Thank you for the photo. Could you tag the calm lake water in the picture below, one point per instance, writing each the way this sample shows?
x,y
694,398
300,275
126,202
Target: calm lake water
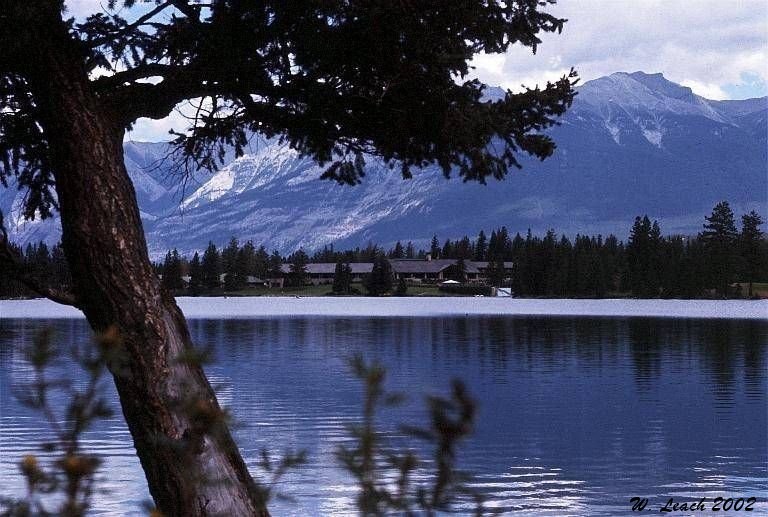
x,y
576,415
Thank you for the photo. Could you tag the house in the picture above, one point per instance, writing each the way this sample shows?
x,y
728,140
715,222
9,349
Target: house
x,y
411,270
438,270
420,270
323,272
254,281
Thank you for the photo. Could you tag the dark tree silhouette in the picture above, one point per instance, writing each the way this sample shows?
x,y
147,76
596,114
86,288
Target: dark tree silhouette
x,y
195,275
643,253
459,272
298,269
172,271
342,279
434,248
720,239
275,267
409,251
339,80
379,281
481,247
211,267
751,244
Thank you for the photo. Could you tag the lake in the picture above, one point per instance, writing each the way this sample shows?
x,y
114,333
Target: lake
x,y
577,412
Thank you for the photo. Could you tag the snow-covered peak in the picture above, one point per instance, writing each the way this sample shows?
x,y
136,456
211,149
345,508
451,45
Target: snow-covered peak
x,y
660,84
265,163
638,91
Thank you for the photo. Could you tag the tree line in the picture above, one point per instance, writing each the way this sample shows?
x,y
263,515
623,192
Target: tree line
x,y
713,263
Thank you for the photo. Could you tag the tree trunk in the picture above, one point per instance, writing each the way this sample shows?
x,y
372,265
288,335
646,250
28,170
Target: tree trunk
x,y
191,462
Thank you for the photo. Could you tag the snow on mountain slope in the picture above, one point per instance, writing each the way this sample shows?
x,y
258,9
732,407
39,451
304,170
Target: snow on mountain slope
x,y
267,163
632,143
638,93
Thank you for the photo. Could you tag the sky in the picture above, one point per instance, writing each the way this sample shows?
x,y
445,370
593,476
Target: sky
x,y
718,48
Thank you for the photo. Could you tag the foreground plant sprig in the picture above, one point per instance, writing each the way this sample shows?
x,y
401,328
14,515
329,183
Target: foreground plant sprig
x,y
62,482
374,464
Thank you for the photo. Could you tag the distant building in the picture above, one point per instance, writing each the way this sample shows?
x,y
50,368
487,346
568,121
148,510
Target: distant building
x,y
323,272
439,270
254,281
426,271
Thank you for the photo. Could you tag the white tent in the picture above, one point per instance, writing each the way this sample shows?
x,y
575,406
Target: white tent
x,y
450,282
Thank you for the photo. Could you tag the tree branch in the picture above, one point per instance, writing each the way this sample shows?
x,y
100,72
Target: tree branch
x,y
191,11
144,71
128,28
11,263
156,101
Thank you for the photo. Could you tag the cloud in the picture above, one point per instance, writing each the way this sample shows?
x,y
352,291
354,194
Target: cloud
x,y
707,90
708,45
149,130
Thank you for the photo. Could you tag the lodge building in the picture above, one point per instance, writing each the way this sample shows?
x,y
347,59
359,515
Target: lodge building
x,y
413,271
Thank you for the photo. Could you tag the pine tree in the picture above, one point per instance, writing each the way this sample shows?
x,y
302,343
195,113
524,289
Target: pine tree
x,y
495,272
460,271
398,252
504,243
694,269
275,267
195,275
720,238
643,258
61,275
434,248
298,275
379,282
246,260
481,247
463,249
751,246
409,251
172,271
229,265
342,278
261,263
243,267
41,263
448,251
564,275
211,265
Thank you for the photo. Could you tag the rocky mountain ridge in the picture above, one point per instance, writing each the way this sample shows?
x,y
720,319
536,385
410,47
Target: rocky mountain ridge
x,y
633,143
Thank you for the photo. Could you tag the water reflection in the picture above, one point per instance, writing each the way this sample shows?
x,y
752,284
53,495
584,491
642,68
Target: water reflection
x,y
576,414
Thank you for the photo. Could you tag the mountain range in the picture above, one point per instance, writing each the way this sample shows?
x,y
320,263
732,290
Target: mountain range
x,y
632,144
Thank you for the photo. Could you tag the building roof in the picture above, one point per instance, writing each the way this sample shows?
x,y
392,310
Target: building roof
x,y
420,266
329,268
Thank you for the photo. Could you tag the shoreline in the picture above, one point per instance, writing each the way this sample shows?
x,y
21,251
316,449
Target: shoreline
x,y
357,306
